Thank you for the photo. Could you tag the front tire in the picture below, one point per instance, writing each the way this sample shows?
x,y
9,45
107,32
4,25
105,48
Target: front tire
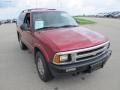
x,y
42,68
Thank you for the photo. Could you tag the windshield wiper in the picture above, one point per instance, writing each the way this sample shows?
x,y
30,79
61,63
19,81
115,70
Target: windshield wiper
x,y
69,26
46,28
57,27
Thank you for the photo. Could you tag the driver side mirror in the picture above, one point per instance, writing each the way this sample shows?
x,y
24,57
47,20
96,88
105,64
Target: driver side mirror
x,y
24,27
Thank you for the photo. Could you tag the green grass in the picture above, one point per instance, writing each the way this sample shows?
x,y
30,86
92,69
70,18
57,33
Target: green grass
x,y
83,21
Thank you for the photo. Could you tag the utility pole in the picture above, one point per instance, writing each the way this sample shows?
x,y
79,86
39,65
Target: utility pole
x,y
37,3
59,4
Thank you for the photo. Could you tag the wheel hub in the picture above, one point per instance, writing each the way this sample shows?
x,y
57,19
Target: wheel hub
x,y
40,66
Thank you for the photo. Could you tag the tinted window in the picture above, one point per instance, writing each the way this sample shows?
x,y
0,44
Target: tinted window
x,y
27,19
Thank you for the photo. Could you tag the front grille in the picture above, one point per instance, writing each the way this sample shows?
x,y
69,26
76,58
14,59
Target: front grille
x,y
89,54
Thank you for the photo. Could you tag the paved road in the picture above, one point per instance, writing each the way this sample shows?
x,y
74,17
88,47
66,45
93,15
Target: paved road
x,y
18,72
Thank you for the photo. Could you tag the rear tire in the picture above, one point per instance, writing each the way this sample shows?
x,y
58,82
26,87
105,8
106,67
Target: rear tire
x,y
42,67
22,45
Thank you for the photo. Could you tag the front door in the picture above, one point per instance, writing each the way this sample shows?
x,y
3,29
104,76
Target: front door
x,y
27,35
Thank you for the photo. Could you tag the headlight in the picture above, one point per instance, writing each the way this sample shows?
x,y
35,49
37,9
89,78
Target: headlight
x,y
60,59
63,58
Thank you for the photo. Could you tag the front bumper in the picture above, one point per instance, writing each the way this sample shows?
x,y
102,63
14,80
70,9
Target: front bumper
x,y
79,67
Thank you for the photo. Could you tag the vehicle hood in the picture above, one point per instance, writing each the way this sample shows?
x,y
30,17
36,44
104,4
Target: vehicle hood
x,y
66,39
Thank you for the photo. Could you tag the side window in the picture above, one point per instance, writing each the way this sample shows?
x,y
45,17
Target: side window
x,y
20,19
27,19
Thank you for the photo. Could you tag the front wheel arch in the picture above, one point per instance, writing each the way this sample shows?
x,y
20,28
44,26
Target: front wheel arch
x,y
37,50
42,51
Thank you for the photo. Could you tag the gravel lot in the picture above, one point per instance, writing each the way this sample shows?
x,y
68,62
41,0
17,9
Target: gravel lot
x,y
18,71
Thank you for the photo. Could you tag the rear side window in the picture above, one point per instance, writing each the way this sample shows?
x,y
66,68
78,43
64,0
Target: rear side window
x,y
21,19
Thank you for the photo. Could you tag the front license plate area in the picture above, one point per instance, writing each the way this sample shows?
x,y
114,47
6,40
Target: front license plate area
x,y
70,69
96,66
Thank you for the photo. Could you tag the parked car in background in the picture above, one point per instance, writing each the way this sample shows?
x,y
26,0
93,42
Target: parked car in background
x,y
117,15
100,15
3,21
8,20
112,14
109,14
14,21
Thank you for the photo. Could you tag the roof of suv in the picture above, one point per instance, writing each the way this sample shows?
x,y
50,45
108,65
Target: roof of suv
x,y
38,10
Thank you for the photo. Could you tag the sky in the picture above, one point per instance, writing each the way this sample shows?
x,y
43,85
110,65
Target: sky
x,y
12,8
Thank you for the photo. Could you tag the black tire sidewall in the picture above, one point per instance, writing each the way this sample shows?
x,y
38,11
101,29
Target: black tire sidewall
x,y
47,74
38,55
22,45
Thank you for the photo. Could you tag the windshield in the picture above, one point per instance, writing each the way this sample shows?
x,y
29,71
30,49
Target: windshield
x,y
52,19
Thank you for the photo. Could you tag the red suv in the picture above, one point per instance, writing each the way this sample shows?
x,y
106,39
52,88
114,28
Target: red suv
x,y
59,44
